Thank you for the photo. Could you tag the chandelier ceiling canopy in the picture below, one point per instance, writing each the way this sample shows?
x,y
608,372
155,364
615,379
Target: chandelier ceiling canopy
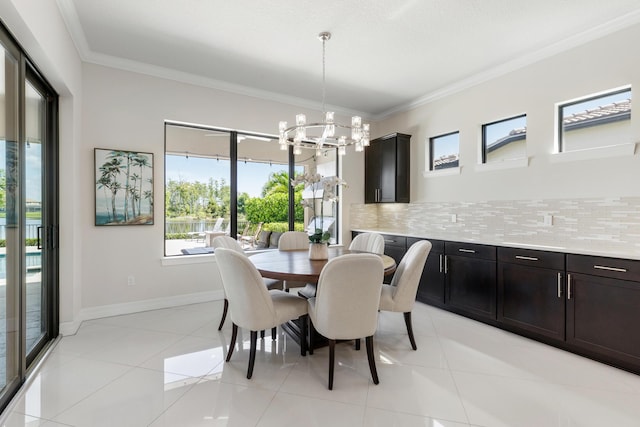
x,y
326,133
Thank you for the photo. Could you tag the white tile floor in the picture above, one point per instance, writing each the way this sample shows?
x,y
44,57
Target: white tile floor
x,y
166,368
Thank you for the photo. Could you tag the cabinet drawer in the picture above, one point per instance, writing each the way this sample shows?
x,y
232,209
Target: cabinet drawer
x,y
470,250
534,258
616,268
437,246
391,240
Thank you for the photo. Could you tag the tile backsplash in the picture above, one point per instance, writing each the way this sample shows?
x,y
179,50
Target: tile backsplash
x,y
604,224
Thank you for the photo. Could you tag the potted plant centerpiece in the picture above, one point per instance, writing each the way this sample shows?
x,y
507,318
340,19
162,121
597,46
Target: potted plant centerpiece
x,y
323,189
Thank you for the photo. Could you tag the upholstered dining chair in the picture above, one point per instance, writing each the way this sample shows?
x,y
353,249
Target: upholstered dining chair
x,y
252,306
231,243
293,241
400,295
368,242
346,304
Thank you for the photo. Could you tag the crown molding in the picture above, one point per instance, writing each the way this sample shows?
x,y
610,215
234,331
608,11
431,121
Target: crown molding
x,y
576,40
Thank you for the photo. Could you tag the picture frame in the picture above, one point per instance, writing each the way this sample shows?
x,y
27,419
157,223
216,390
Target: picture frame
x,y
123,187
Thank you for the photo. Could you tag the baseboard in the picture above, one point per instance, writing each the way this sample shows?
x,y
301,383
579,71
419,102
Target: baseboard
x,y
70,328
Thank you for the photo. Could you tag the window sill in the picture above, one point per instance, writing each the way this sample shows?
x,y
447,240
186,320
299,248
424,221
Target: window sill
x,y
187,259
442,172
620,150
504,164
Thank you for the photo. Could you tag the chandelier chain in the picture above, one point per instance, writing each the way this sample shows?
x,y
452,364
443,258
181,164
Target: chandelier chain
x,y
324,90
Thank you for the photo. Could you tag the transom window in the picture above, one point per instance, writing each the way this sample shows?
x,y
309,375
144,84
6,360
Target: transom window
x,y
444,151
504,139
595,121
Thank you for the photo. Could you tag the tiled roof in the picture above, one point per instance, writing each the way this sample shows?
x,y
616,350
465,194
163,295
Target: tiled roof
x,y
609,111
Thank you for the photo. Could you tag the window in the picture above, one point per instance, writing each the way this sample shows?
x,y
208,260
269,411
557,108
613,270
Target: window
x,y
225,182
595,121
504,139
444,151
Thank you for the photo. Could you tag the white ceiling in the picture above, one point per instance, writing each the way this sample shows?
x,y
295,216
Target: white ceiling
x,y
384,56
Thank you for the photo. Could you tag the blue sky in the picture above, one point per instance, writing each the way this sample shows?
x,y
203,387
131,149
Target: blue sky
x,y
33,170
251,176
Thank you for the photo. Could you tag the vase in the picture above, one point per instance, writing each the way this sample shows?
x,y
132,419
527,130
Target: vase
x,y
318,251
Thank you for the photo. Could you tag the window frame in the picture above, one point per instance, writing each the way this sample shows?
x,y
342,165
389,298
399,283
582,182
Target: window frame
x,y
432,140
560,117
484,136
233,178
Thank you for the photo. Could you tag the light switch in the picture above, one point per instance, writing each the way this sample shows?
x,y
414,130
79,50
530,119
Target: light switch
x,y
548,220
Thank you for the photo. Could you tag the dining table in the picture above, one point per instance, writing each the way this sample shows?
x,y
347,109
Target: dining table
x,y
295,266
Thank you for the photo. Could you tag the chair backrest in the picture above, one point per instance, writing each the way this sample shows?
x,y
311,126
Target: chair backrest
x,y
250,304
407,276
348,296
227,242
293,240
218,225
368,242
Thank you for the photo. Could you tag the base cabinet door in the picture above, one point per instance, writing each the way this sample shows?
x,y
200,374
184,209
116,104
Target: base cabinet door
x,y
531,299
471,280
603,316
531,292
431,287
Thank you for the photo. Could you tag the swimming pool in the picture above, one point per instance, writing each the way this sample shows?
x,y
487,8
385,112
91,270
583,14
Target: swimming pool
x,y
33,264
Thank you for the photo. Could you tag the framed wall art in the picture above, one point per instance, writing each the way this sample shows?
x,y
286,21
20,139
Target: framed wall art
x,y
124,187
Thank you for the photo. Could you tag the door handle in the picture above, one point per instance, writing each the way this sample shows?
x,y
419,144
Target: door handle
x,y
559,285
38,242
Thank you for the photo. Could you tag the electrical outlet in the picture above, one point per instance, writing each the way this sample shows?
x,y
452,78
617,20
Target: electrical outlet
x,y
454,218
548,220
131,280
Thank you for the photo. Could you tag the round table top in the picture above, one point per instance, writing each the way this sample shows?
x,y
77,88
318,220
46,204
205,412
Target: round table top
x,y
296,265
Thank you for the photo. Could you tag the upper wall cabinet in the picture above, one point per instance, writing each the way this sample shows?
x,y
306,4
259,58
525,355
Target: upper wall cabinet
x,y
386,169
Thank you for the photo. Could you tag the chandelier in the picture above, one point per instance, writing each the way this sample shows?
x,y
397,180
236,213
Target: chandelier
x,y
327,133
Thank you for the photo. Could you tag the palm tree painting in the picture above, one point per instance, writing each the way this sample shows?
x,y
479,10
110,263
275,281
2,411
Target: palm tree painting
x,y
124,187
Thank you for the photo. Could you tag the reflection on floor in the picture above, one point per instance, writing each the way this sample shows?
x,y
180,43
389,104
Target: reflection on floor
x,y
166,368
33,318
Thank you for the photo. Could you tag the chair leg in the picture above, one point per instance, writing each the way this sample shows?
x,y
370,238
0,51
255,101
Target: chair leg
x,y
407,321
234,335
312,336
273,334
302,320
372,360
332,357
224,313
357,340
252,353
262,334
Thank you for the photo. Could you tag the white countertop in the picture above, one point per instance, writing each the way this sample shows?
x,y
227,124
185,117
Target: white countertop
x,y
602,250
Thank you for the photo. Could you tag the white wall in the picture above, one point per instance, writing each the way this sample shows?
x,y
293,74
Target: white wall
x,y
599,65
125,110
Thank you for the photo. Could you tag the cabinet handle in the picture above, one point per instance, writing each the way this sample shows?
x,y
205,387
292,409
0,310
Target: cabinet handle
x,y
440,263
568,286
526,258
604,267
389,241
469,251
559,285
446,262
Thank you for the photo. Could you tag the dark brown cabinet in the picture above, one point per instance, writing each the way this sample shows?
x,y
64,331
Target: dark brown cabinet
x,y
395,247
386,169
470,284
603,308
531,292
431,287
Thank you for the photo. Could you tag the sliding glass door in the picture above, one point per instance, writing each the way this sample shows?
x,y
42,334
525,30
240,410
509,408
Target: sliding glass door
x,y
28,216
